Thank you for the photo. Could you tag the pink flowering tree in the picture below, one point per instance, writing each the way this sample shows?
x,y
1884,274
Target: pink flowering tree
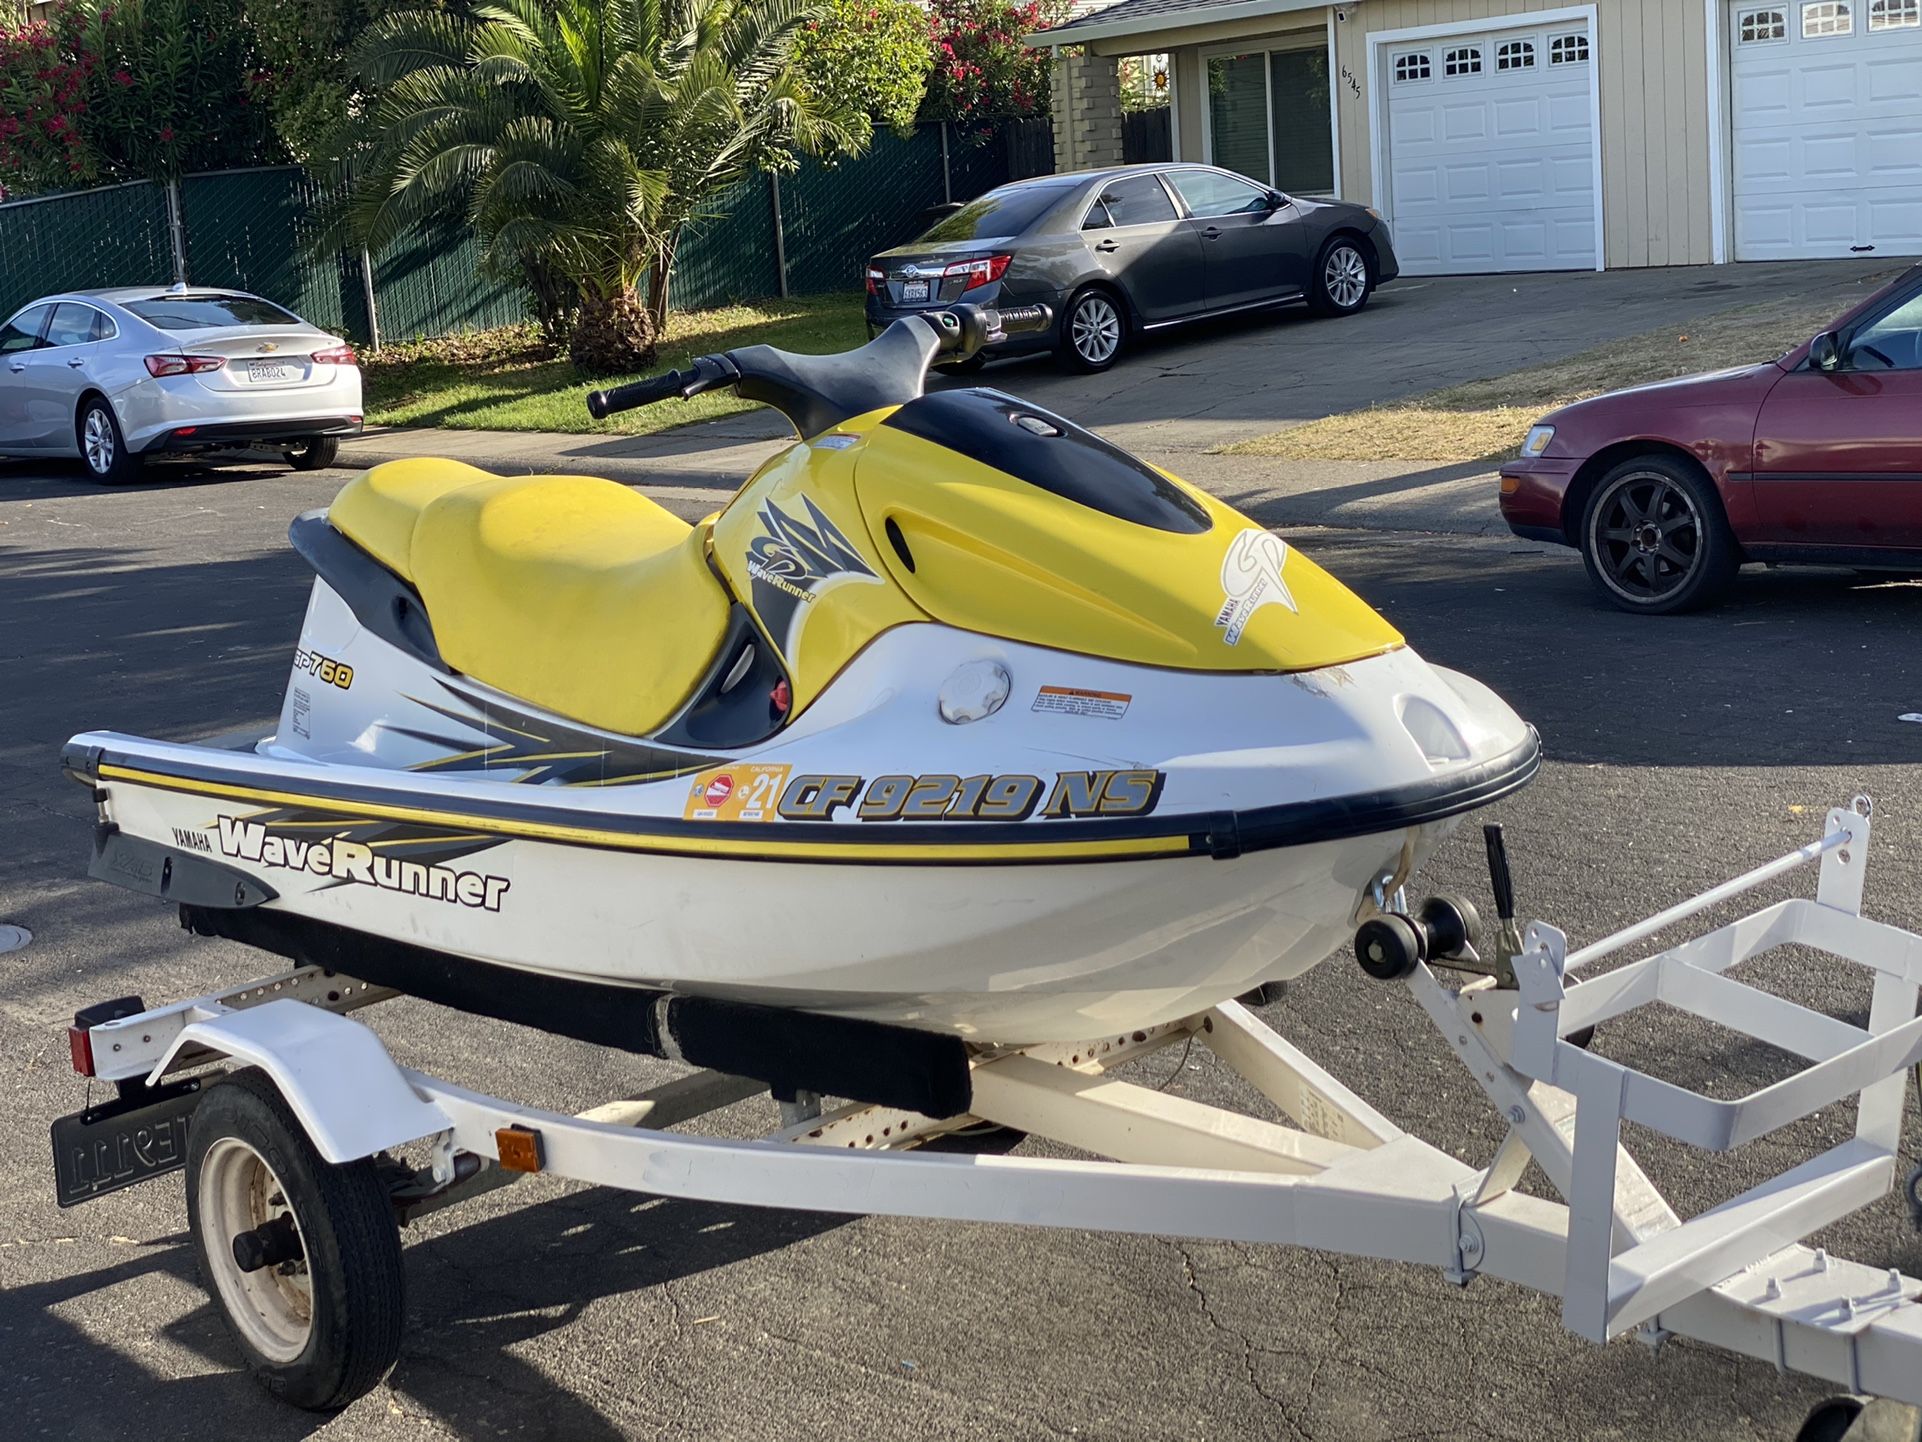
x,y
133,90
982,70
42,103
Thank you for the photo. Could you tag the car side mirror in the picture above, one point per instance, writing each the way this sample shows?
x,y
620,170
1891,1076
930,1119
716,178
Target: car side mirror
x,y
1824,353
1276,200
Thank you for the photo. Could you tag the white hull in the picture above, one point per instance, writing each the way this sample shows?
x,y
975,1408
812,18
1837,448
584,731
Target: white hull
x,y
1018,954
424,809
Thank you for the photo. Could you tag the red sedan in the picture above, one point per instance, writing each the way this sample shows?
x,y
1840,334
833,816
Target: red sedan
x,y
1816,457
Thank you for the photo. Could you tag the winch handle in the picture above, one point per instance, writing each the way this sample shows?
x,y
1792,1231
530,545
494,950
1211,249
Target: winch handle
x,y
1499,880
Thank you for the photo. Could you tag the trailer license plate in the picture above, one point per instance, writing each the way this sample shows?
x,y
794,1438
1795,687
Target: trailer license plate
x,y
912,290
121,1142
269,371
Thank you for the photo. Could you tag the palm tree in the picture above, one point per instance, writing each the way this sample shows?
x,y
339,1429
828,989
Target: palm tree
x,y
582,136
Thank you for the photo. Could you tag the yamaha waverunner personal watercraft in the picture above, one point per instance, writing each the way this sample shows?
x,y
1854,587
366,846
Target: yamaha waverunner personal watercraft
x,y
956,718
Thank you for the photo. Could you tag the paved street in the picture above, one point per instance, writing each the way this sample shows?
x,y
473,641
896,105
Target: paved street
x,y
1681,751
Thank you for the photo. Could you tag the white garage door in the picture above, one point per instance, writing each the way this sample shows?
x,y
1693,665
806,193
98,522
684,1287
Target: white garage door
x,y
1826,121
1491,151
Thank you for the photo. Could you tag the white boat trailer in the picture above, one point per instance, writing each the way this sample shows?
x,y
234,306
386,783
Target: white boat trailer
x,y
1342,1178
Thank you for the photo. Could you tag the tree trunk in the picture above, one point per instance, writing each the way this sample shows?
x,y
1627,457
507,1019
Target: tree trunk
x,y
557,301
657,279
612,335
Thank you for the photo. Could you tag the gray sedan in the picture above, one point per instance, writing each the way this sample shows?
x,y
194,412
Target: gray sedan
x,y
1132,249
115,376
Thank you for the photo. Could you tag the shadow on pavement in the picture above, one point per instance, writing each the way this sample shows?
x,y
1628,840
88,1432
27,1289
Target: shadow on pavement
x,y
474,1295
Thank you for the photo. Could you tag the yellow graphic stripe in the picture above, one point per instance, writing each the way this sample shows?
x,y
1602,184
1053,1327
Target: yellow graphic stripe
x,y
685,845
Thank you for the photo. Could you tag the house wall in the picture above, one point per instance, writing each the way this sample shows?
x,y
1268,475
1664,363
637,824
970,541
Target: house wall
x,y
1655,133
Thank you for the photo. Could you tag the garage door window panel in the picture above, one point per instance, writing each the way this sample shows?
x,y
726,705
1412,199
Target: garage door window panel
x,y
1895,15
1822,19
1515,55
1568,50
1412,67
1463,60
1762,27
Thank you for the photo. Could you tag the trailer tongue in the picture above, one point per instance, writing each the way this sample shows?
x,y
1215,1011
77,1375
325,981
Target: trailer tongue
x,y
288,1158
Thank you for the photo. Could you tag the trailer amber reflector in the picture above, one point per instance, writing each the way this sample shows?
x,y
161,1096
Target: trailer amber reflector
x,y
80,1046
519,1149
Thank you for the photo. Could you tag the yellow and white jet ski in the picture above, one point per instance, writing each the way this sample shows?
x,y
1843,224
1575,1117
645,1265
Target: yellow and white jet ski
x,y
956,718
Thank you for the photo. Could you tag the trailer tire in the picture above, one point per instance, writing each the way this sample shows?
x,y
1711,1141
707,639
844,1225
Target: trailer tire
x,y
321,1327
1831,1420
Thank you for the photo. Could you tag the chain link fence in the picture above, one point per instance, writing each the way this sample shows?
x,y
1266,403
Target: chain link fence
x,y
805,233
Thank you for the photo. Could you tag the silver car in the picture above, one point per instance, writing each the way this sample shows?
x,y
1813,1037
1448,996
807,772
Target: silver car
x,y
115,376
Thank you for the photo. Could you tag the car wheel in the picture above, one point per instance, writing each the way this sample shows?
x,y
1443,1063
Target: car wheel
x,y
102,449
1093,331
1655,538
1343,279
315,455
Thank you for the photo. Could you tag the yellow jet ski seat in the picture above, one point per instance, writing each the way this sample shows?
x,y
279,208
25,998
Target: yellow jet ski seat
x,y
576,594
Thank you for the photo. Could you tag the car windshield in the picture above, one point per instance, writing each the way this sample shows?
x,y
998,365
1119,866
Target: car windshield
x,y
208,312
1007,211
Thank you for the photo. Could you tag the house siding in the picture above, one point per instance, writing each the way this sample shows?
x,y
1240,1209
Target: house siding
x,y
1655,108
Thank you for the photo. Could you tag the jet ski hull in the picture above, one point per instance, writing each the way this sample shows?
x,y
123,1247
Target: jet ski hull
x,y
1140,844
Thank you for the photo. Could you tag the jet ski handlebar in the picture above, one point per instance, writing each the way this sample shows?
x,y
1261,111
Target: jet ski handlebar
x,y
816,392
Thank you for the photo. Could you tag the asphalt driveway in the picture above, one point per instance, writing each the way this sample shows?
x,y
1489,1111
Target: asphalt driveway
x,y
1680,752
1185,391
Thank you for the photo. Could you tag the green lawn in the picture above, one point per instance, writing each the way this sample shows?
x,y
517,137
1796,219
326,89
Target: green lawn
x,y
497,382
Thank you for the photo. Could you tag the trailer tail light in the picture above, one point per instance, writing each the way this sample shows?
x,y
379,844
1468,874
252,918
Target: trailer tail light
x,y
876,276
183,365
341,355
979,272
80,1046
519,1149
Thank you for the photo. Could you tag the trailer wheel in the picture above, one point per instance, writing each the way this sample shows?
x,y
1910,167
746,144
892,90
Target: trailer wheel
x,y
301,1256
1831,1420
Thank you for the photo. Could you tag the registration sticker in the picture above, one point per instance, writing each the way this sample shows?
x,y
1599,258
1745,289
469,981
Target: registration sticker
x,y
1072,701
736,793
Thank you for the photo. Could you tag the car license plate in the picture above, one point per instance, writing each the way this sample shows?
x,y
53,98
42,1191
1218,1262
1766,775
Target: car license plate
x,y
267,371
124,1141
914,290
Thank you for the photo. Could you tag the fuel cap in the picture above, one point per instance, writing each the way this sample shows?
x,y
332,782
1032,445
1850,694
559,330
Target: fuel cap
x,y
975,690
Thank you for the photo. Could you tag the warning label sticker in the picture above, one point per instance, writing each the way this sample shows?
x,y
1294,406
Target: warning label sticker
x,y
1069,701
736,793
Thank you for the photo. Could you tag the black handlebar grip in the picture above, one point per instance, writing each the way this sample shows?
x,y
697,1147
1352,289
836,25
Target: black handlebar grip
x,y
1498,877
1025,319
601,404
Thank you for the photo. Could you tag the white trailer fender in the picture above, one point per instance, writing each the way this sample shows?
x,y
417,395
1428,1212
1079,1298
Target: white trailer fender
x,y
335,1073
